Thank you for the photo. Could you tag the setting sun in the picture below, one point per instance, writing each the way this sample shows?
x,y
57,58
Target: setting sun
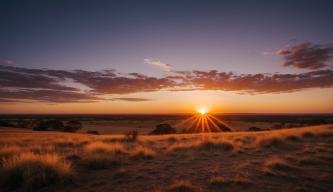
x,y
202,111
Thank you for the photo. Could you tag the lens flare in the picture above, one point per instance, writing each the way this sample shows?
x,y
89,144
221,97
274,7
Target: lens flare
x,y
202,121
202,111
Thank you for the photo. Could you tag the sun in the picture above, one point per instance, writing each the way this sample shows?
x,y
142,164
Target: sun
x,y
202,111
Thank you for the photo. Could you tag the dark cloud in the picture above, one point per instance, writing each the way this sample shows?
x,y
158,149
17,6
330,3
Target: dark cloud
x,y
259,83
306,56
18,77
52,96
44,85
131,99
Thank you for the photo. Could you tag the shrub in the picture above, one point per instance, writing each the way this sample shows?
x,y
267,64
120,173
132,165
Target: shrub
x,y
41,125
93,132
224,128
35,171
6,123
131,136
254,129
73,126
163,128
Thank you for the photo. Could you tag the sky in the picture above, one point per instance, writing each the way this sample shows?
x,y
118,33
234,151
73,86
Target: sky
x,y
166,56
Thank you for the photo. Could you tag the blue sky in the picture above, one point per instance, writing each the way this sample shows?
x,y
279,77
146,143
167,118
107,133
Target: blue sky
x,y
223,35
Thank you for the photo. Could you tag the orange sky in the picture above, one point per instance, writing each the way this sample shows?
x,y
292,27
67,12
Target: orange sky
x,y
307,101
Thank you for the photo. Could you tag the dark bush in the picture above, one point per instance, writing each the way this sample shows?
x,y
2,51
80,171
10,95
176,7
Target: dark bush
x,y
93,132
48,125
255,129
163,128
23,124
224,128
132,135
6,123
72,126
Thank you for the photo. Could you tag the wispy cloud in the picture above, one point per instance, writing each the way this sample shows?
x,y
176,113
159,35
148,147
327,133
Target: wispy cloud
x,y
158,63
306,55
132,99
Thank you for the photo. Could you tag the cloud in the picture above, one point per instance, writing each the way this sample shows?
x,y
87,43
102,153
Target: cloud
x,y
7,62
306,56
51,96
158,63
259,83
46,85
131,99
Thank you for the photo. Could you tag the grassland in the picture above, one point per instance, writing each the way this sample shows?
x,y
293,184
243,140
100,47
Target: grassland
x,y
299,159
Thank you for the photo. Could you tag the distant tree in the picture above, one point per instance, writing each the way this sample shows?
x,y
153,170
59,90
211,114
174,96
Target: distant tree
x,y
23,124
6,123
48,125
73,126
163,128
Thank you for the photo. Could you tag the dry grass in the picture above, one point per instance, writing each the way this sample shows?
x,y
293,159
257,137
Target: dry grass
x,y
34,171
169,156
101,155
181,186
141,152
8,151
272,165
221,181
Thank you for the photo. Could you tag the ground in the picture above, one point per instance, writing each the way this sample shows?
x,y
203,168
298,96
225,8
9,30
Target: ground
x,y
298,159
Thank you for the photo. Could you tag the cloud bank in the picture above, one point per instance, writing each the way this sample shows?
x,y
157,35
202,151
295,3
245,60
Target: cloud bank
x,y
306,56
19,84
46,85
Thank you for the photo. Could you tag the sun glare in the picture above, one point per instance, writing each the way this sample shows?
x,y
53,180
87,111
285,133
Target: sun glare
x,y
202,111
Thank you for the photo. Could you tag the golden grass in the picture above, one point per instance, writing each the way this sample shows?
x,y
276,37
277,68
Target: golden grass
x,y
141,152
46,152
101,147
101,155
8,151
221,181
276,164
34,171
181,186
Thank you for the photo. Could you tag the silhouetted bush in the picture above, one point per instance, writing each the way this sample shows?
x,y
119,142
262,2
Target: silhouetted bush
x,y
23,124
255,129
73,126
163,128
224,128
132,135
5,123
48,125
93,132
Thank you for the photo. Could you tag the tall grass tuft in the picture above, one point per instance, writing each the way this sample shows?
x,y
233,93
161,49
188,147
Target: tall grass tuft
x,y
32,171
100,155
141,152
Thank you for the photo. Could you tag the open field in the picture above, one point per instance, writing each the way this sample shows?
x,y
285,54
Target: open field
x,y
121,124
300,158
